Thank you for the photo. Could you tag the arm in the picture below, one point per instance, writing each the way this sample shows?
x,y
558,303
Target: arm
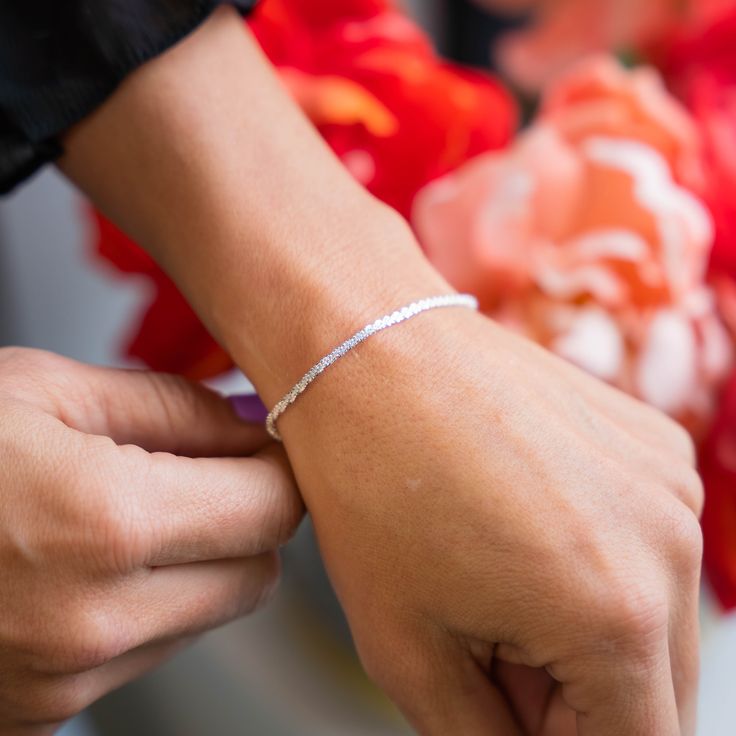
x,y
204,159
479,503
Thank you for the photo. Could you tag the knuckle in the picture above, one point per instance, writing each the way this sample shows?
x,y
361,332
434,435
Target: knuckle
x,y
111,543
635,619
96,527
693,491
684,442
114,531
679,439
11,357
28,363
684,541
18,431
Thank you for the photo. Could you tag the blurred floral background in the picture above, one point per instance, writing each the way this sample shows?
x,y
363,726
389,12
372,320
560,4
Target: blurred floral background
x,y
577,172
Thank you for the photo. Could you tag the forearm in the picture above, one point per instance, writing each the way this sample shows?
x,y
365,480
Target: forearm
x,y
205,160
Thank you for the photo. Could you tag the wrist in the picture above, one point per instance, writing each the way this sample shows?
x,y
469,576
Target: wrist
x,y
391,384
368,264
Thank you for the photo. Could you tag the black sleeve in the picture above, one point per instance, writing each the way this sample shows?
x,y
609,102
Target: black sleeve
x,y
60,59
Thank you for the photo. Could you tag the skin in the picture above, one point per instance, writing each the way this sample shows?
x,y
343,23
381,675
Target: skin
x,y
131,521
515,544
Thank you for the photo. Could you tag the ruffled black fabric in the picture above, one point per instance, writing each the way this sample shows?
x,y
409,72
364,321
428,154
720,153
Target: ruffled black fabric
x,y
60,59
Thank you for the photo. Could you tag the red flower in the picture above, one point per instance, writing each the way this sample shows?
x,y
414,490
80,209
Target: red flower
x,y
718,468
395,113
380,96
170,336
701,69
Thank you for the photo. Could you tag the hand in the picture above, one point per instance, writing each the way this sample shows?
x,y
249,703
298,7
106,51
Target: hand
x,y
116,546
516,545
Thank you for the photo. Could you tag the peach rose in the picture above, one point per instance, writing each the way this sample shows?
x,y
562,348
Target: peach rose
x,y
564,31
582,237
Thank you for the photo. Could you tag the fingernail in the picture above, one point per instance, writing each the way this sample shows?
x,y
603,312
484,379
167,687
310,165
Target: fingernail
x,y
249,408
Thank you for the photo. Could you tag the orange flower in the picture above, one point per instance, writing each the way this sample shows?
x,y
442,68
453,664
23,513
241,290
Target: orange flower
x,y
582,237
393,111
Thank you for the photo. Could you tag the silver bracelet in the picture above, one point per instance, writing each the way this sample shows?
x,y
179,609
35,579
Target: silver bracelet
x,y
400,315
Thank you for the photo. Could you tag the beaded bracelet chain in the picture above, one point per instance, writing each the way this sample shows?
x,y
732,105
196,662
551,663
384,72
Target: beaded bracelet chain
x,y
400,315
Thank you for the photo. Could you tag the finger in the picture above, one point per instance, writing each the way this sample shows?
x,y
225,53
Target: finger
x,y
187,600
559,719
66,696
156,411
675,476
452,694
184,601
636,699
658,445
214,508
652,427
528,691
534,696
97,683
